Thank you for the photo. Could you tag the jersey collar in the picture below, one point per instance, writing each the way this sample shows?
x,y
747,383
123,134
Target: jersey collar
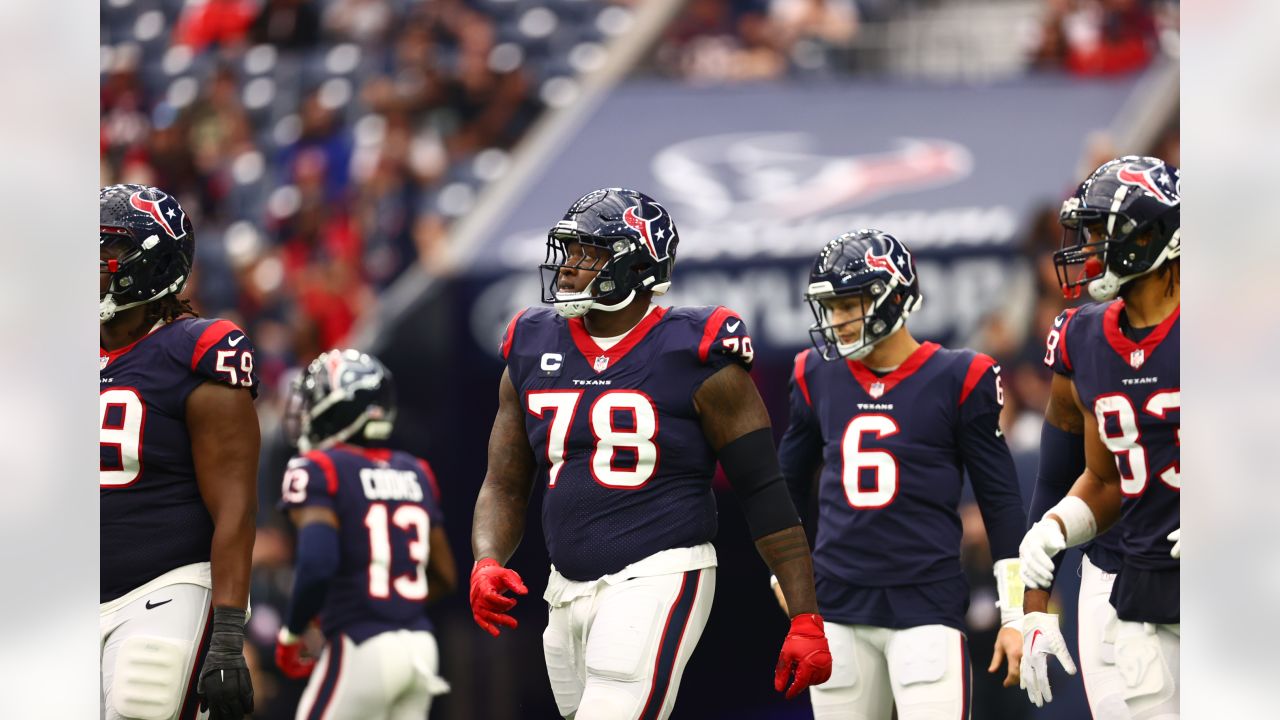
x,y
600,360
877,386
106,356
380,455
1135,353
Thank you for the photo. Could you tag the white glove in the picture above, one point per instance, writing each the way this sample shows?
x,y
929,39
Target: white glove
x,y
1039,545
1175,537
1040,639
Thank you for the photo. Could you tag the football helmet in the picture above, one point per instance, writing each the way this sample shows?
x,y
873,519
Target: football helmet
x,y
1122,223
156,246
636,233
342,395
867,263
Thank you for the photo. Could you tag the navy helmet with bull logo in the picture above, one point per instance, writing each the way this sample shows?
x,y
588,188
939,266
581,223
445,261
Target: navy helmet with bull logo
x,y
1122,222
870,264
153,246
639,239
342,396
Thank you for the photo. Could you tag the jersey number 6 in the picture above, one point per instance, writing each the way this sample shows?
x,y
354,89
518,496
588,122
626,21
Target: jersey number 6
x,y
882,462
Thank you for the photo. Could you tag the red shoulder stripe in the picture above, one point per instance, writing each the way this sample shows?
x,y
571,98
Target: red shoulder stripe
x,y
431,478
511,334
801,358
211,336
326,464
1062,338
709,332
980,365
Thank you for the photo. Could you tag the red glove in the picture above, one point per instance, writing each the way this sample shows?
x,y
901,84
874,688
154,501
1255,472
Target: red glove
x,y
806,650
488,605
289,657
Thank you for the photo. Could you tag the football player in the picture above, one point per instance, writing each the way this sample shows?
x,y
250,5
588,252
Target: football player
x,y
623,408
371,548
179,458
1116,383
894,425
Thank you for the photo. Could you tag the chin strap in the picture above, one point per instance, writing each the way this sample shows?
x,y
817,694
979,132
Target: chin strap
x,y
572,305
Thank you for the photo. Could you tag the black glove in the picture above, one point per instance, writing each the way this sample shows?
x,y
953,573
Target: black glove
x,y
225,689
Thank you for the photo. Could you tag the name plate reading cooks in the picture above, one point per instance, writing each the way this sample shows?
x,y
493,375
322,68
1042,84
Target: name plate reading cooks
x,y
390,484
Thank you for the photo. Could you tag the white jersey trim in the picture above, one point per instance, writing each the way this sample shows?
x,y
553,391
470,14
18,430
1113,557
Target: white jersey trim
x,y
561,590
194,574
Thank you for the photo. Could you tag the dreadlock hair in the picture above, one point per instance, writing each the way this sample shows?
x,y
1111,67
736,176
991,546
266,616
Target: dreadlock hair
x,y
1172,272
169,308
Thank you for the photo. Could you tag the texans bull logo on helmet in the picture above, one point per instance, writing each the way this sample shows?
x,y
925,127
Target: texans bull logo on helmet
x,y
896,261
645,226
162,208
1153,179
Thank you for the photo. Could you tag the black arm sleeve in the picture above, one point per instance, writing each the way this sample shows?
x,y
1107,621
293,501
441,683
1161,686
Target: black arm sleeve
x,y
751,464
995,484
1061,462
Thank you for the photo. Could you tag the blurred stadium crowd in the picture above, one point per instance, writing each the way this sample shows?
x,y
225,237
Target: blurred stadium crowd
x,y
324,146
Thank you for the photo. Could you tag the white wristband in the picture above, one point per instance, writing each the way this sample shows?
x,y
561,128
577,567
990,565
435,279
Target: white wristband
x,y
1077,519
1009,590
773,581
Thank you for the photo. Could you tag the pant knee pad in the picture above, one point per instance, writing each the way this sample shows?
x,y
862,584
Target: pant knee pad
x,y
844,659
149,677
1140,660
623,637
920,655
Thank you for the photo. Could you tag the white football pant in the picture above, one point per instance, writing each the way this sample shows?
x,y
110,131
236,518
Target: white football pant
x,y
152,641
1147,658
923,670
1103,686
390,676
617,652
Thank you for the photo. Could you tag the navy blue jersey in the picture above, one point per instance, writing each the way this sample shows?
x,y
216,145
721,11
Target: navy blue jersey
x,y
1132,388
386,502
894,451
615,433
152,517
1104,552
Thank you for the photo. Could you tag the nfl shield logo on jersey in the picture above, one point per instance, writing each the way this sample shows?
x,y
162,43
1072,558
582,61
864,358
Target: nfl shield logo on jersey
x,y
601,363
102,362
1137,357
876,390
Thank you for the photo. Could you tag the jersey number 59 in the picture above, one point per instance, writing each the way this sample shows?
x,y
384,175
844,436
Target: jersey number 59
x,y
123,416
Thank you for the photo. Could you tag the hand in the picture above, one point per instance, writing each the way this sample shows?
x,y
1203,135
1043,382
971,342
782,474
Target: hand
x,y
1175,537
805,649
489,581
224,687
777,593
1042,638
1042,542
1008,645
290,658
